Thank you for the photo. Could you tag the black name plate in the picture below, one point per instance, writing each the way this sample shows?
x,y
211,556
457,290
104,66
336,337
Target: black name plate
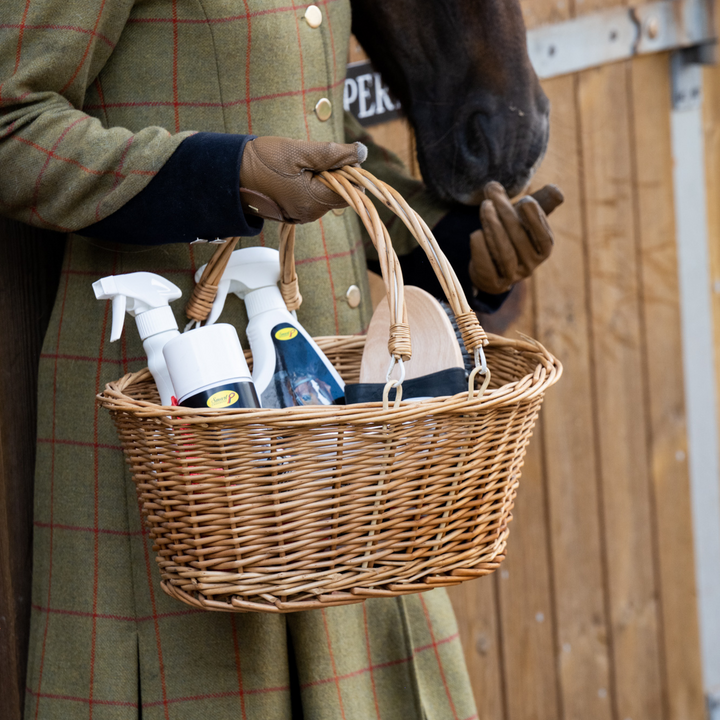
x,y
367,97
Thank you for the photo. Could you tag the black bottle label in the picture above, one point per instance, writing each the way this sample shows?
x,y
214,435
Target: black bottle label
x,y
231,395
301,377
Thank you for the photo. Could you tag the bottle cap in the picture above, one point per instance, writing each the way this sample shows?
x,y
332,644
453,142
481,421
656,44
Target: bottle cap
x,y
152,322
264,299
207,356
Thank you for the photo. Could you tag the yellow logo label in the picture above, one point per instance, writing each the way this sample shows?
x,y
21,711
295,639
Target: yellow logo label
x,y
222,399
286,333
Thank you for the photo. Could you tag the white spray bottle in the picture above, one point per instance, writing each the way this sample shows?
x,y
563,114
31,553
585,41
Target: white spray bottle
x,y
288,366
147,298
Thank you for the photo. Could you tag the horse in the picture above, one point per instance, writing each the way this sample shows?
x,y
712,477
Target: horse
x,y
461,71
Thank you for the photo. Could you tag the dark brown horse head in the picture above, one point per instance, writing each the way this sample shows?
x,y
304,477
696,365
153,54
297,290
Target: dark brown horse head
x,y
461,70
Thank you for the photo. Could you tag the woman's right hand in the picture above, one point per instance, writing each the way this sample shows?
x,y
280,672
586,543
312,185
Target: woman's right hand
x,y
278,177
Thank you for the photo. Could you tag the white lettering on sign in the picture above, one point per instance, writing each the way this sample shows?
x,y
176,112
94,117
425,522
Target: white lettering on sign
x,y
350,93
366,96
365,93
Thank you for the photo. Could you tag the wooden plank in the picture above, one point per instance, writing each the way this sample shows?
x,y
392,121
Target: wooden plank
x,y
569,430
618,392
29,265
711,122
667,449
524,583
475,605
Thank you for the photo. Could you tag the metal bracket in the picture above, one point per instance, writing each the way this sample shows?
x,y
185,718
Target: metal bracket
x,y
686,78
713,705
620,33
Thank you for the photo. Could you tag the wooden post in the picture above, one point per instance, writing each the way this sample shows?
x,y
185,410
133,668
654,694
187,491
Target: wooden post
x,y
29,271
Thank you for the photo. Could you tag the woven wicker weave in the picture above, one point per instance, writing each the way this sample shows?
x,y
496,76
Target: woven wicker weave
x,y
283,510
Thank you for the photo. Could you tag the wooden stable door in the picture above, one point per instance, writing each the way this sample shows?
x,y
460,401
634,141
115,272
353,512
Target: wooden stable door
x,y
593,614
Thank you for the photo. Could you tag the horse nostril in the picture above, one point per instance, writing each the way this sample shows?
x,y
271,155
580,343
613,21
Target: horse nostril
x,y
479,138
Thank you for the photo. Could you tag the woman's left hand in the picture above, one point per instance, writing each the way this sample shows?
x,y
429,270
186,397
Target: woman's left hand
x,y
513,240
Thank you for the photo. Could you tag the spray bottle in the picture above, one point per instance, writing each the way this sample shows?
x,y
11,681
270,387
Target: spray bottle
x,y
147,298
288,366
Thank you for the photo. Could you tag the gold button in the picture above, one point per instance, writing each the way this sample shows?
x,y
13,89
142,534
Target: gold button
x,y
353,296
323,109
338,211
313,16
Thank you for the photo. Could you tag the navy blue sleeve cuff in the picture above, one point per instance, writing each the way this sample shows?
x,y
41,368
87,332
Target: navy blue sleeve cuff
x,y
453,236
196,194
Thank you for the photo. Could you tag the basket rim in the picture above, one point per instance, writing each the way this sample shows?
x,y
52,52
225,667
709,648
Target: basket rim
x,y
548,371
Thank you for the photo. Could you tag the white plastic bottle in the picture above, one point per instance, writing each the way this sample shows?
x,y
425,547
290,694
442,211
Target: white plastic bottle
x,y
147,298
208,369
288,366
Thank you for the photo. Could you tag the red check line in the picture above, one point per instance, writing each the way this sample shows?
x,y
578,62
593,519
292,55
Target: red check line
x,y
52,226
78,443
87,358
214,21
52,487
370,662
238,667
21,27
214,696
71,698
332,39
332,660
122,618
96,499
71,161
101,95
175,65
72,28
232,103
381,666
87,50
78,528
159,271
118,175
247,67
434,646
158,643
331,256
330,276
16,99
38,180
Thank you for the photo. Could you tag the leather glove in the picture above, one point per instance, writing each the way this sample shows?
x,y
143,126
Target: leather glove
x,y
277,180
514,239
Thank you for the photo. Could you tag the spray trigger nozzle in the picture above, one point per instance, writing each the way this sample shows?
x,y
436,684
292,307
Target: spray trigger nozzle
x,y
119,302
138,294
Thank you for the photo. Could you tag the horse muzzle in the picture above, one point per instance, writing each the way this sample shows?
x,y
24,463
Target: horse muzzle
x,y
506,143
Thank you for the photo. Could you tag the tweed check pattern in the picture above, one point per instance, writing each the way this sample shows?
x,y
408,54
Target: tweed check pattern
x,y
95,95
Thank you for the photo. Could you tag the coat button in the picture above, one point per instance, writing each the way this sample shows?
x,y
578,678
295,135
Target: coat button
x,y
338,211
313,16
353,296
323,109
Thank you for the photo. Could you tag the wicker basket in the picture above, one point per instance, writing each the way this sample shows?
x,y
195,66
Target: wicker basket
x,y
307,507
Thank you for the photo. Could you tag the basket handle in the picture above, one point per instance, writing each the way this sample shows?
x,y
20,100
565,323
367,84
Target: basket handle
x,y
350,183
352,178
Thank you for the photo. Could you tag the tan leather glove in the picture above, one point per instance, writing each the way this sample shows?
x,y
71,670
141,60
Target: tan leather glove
x,y
277,180
514,239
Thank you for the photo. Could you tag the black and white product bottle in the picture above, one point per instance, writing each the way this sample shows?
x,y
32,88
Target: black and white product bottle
x,y
289,369
301,376
208,369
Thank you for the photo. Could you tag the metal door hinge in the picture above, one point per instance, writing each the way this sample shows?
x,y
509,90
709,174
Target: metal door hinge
x,y
621,33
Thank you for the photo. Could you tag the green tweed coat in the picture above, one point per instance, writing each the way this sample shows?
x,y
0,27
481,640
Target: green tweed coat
x,y
95,96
